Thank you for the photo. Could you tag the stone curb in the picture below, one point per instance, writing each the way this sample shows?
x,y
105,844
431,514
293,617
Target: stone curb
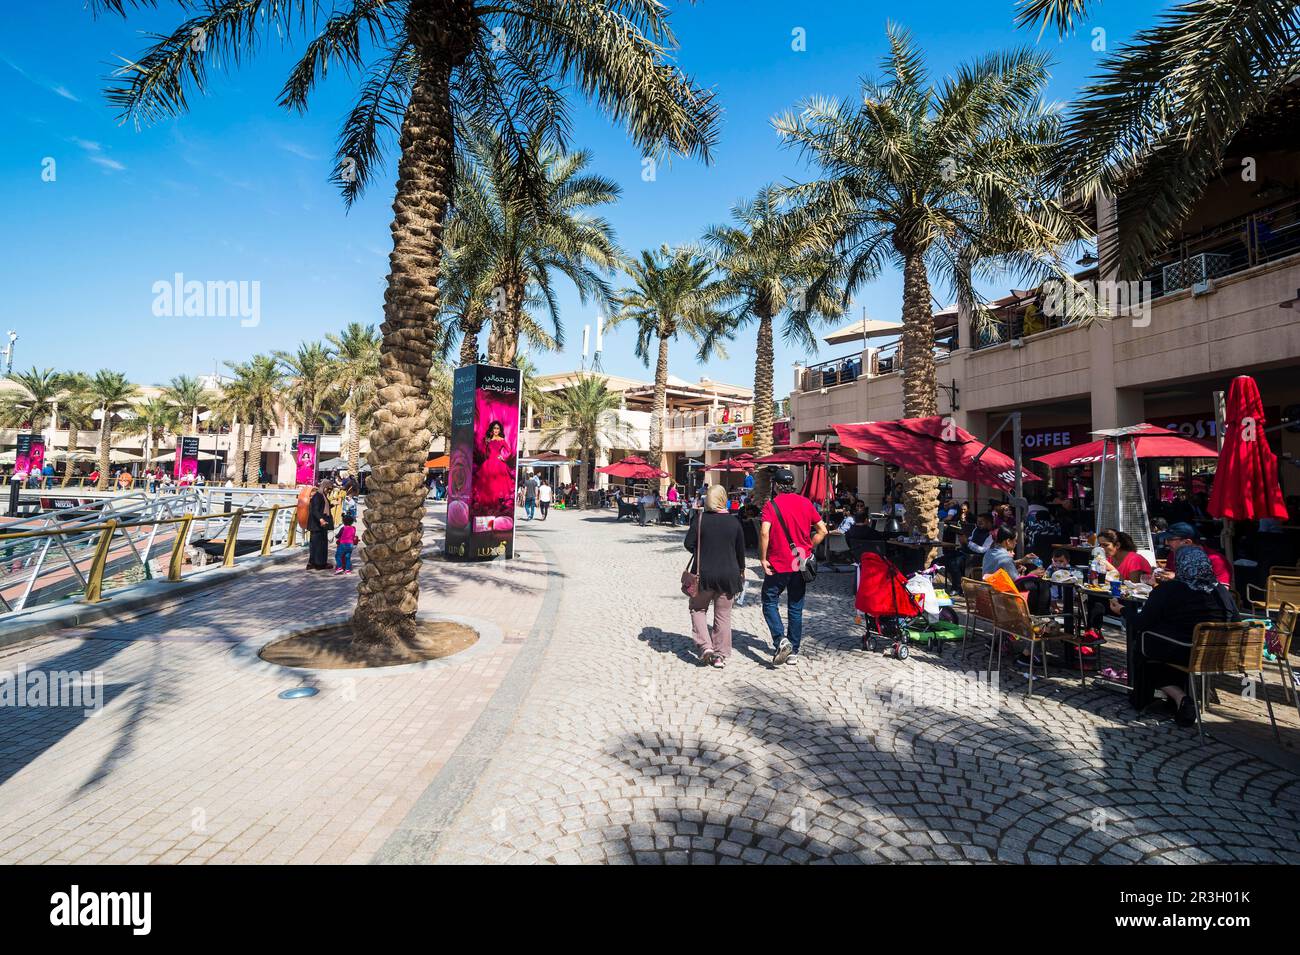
x,y
120,604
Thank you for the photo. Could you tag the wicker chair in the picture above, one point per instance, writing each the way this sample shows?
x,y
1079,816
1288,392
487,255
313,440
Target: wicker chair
x,y
1011,616
1284,630
1221,648
1281,589
979,609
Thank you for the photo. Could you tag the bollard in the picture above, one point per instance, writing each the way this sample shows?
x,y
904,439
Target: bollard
x,y
178,548
269,532
95,579
232,534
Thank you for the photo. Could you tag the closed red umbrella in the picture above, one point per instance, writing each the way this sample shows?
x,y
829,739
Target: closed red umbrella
x,y
1246,485
817,485
811,452
1150,442
933,445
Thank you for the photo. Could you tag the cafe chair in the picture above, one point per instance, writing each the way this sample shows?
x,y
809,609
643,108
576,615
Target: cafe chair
x,y
1280,589
979,610
1011,617
1220,649
1283,633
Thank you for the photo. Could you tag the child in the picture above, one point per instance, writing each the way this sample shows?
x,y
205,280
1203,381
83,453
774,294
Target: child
x,y
343,545
1060,561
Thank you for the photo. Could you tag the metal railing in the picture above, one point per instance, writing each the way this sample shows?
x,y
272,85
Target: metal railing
x,y
59,554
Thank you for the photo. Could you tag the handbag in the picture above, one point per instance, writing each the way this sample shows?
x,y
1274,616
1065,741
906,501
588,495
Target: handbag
x,y
807,566
690,581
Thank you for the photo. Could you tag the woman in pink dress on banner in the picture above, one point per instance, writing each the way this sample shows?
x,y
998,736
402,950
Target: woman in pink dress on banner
x,y
494,478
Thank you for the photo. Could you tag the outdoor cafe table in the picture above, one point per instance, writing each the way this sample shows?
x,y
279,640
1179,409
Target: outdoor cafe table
x,y
1130,634
917,551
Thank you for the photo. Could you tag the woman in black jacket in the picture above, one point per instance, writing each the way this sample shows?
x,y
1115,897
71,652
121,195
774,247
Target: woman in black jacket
x,y
320,521
718,544
1173,610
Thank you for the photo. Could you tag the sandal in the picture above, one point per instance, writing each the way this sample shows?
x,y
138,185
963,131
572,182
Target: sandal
x,y
718,661
707,658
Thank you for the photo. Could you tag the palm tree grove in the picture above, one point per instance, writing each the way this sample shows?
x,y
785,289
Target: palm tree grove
x,y
654,432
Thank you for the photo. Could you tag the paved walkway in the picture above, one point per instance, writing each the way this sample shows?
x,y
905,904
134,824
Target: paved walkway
x,y
589,734
625,751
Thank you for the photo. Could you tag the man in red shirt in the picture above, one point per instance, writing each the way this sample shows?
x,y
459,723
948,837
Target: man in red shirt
x,y
1183,534
794,513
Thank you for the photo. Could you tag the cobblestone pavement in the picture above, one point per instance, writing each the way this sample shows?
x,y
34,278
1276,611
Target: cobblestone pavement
x,y
626,751
194,758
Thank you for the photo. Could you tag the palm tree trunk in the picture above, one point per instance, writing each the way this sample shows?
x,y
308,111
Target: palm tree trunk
x,y
471,324
507,337
354,447
920,491
73,437
660,409
235,465
253,465
105,434
389,591
194,420
763,360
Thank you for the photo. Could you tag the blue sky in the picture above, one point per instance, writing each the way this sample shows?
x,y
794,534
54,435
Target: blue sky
x,y
236,190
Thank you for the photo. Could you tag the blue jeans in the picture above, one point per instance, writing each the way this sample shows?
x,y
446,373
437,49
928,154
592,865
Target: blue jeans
x,y
794,587
530,506
343,556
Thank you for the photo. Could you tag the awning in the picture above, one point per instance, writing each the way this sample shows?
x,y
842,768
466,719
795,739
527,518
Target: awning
x,y
441,461
861,330
1152,442
933,445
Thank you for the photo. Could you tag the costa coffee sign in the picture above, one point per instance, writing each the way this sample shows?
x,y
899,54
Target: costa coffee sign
x,y
1042,440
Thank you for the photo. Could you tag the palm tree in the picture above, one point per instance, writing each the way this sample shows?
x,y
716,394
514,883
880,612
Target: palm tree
x,y
232,407
515,242
585,414
673,292
772,265
30,404
943,181
260,384
153,418
1154,126
439,68
310,375
355,356
76,408
112,395
188,395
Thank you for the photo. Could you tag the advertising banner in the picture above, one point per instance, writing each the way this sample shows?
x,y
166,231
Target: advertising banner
x,y
29,457
186,464
305,459
724,437
484,460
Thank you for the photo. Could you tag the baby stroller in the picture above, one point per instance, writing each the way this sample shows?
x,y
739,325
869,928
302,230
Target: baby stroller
x,y
884,601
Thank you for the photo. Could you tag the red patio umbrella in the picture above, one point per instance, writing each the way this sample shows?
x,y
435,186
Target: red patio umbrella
x,y
933,445
817,485
738,462
811,452
634,468
1151,442
1246,485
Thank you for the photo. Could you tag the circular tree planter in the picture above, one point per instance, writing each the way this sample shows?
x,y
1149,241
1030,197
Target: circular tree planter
x,y
324,646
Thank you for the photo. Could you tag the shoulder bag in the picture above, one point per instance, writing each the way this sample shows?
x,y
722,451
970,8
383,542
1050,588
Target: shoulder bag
x,y
807,566
690,581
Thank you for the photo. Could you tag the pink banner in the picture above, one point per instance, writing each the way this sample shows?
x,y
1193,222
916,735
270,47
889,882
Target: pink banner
x,y
306,459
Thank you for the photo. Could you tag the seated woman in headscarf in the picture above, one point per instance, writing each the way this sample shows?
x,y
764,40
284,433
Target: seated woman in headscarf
x,y
1173,610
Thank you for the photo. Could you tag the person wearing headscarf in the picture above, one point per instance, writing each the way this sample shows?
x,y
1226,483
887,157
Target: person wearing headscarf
x,y
1173,610
717,541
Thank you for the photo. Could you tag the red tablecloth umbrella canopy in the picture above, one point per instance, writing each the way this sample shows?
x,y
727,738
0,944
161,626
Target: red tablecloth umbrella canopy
x,y
634,468
933,445
1246,486
738,462
1150,442
810,452
817,485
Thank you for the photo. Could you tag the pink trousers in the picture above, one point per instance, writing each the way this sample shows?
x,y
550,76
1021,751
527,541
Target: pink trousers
x,y
718,637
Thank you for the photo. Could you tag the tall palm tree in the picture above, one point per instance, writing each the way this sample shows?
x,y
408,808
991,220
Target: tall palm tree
x,y
188,395
585,414
944,181
260,383
773,265
153,419
309,380
112,395
673,292
517,242
355,355
231,408
433,70
76,409
30,404
1154,126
